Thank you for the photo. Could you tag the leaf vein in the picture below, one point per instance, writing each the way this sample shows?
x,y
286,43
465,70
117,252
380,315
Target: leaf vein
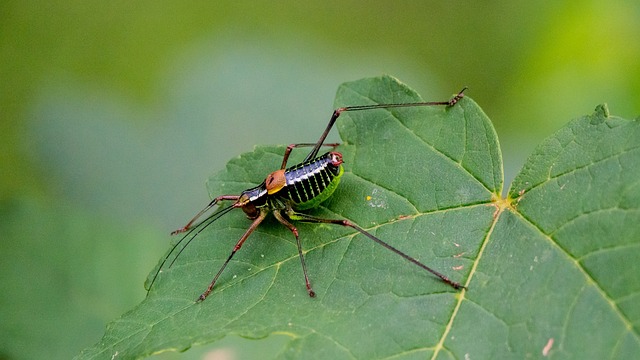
x,y
627,321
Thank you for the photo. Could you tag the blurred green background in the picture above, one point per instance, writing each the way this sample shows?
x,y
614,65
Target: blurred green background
x,y
113,114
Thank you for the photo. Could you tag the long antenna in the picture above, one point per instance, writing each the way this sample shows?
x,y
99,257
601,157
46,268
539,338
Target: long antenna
x,y
198,229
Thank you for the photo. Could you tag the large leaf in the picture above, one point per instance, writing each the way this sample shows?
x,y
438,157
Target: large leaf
x,y
551,270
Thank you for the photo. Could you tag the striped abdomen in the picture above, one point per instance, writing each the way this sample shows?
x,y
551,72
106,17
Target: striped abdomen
x,y
312,182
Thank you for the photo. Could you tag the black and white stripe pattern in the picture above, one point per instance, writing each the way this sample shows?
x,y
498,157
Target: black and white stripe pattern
x,y
307,180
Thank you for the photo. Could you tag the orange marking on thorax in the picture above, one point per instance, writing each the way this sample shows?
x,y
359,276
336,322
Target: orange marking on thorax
x,y
275,181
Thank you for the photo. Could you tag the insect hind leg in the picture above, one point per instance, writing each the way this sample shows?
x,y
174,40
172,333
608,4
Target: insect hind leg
x,y
312,219
290,148
337,112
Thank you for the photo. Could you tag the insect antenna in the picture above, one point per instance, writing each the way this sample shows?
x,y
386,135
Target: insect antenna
x,y
200,227
197,229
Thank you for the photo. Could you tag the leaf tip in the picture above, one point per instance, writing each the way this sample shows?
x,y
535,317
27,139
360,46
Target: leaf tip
x,y
600,114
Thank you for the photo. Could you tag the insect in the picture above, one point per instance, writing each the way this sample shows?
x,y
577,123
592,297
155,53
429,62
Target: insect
x,y
286,192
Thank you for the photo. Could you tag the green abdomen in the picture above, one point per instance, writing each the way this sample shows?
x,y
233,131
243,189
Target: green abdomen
x,y
314,181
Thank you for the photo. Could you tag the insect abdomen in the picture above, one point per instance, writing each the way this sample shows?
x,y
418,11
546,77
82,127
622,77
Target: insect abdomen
x,y
312,182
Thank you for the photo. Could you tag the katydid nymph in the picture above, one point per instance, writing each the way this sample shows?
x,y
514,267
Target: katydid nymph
x,y
289,191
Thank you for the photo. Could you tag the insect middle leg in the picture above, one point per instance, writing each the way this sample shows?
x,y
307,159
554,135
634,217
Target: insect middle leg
x,y
294,230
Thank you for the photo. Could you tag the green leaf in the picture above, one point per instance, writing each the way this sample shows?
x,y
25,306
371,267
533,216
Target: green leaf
x,y
550,270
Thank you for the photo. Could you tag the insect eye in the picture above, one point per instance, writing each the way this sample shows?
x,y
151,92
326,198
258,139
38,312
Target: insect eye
x,y
250,210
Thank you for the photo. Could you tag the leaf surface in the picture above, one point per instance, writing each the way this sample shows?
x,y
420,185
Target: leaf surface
x,y
550,270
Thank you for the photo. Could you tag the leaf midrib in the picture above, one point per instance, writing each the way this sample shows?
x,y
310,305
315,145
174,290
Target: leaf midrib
x,y
461,296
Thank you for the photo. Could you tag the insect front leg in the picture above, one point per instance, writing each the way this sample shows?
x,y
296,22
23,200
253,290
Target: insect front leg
x,y
197,229
213,203
251,229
